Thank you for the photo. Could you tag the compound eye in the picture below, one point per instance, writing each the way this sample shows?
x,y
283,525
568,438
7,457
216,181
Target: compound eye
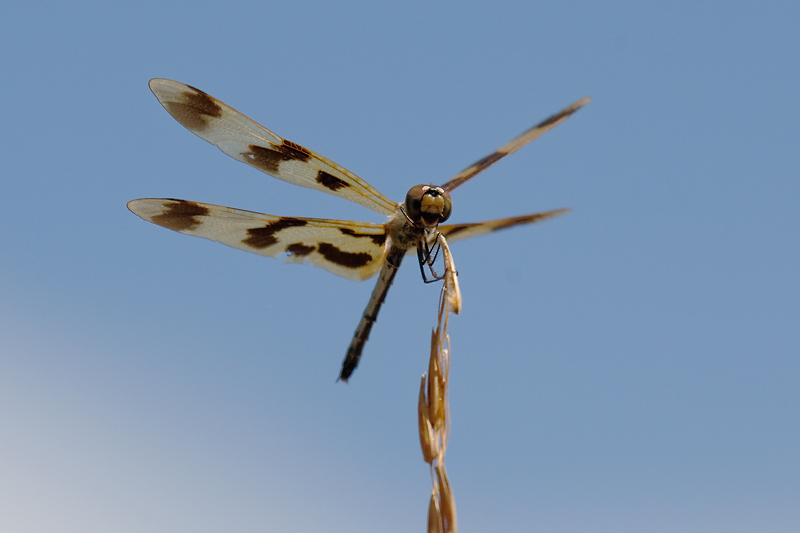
x,y
429,205
414,202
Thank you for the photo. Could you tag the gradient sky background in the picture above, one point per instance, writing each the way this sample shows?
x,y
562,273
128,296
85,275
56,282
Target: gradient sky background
x,y
633,366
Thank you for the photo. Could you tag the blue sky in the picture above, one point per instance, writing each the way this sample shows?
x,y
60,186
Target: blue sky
x,y
632,366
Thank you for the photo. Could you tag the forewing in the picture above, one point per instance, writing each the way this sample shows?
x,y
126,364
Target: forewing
x,y
353,250
514,145
250,143
457,232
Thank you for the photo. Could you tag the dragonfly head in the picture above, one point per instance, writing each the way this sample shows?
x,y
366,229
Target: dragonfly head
x,y
428,205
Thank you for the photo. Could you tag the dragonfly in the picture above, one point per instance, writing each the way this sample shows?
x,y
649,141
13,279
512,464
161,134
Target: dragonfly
x,y
353,250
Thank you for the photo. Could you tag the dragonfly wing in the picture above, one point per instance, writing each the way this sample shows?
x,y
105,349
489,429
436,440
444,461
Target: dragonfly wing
x,y
457,232
255,145
513,146
353,250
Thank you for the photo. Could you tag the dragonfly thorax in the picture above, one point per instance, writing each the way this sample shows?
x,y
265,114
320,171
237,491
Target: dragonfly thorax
x,y
428,205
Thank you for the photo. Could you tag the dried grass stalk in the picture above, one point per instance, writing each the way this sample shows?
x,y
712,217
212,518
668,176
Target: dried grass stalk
x,y
447,504
433,407
426,435
434,515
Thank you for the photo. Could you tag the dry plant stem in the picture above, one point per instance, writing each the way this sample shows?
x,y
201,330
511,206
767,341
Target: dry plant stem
x,y
426,435
447,504
434,409
434,515
451,287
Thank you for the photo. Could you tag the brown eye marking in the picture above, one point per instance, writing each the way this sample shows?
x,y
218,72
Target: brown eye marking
x,y
378,239
345,259
270,159
299,249
195,111
180,215
331,182
264,237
